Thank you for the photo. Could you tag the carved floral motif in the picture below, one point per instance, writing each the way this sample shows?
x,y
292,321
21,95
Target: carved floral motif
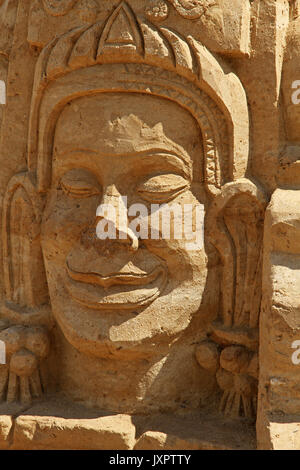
x,y
157,10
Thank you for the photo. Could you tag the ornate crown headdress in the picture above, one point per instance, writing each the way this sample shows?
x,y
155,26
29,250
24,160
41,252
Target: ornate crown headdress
x,y
136,56
126,54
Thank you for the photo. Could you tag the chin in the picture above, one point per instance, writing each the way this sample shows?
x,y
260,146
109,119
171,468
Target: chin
x,y
137,333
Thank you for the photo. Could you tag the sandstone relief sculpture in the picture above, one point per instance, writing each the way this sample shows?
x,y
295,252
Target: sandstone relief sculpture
x,y
127,110
98,312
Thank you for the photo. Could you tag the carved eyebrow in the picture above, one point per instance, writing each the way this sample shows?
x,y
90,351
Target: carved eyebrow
x,y
179,160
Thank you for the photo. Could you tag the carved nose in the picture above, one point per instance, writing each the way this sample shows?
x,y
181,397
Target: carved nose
x,y
112,219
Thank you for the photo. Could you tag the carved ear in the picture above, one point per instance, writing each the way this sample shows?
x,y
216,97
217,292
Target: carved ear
x,y
24,272
235,225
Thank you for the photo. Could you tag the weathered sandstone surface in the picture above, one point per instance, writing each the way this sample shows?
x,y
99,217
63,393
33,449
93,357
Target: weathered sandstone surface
x,y
150,227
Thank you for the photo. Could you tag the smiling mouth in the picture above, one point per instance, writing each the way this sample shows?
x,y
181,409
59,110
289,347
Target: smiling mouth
x,y
116,291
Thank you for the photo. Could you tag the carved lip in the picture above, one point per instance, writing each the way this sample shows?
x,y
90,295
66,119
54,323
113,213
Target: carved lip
x,y
116,291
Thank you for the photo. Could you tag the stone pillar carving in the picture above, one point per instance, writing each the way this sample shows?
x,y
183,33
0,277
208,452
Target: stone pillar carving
x,y
279,410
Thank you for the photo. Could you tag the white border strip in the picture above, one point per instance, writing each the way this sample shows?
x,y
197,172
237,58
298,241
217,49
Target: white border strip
x,y
2,352
2,92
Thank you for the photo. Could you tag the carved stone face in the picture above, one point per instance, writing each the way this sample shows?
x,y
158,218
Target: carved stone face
x,y
110,296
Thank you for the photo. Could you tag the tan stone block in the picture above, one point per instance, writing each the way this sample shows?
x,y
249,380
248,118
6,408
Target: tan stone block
x,y
43,432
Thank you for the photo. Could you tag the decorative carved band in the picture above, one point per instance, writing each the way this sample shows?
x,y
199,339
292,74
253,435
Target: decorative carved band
x,y
192,9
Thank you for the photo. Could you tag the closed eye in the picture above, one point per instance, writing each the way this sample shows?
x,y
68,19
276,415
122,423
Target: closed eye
x,y
79,183
163,188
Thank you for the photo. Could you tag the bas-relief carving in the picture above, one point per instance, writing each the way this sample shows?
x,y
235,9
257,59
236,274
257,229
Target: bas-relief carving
x,y
123,107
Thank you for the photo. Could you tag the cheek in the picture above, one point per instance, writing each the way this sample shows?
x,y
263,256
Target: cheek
x,y
64,220
185,246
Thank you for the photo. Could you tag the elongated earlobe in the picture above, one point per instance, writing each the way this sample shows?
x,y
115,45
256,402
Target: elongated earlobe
x,y
25,313
24,272
235,224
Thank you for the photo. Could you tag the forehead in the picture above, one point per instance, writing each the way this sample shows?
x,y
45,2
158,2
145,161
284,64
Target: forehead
x,y
126,122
